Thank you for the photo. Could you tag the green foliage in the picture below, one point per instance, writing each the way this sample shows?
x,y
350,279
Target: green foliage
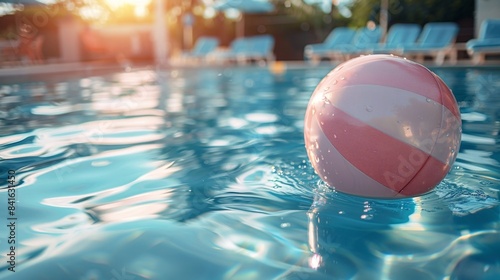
x,y
412,11
310,18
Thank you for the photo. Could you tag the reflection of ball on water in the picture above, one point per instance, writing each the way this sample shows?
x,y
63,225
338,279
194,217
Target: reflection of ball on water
x,y
382,126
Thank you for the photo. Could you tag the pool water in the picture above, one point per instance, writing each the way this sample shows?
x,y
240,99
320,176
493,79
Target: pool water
x,y
203,174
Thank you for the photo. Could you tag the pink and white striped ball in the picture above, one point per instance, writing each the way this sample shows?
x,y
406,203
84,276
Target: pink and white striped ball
x,y
382,126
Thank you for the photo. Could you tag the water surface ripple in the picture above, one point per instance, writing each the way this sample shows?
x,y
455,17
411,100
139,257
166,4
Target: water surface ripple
x,y
203,174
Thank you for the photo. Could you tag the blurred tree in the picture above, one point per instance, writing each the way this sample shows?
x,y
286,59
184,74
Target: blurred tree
x,y
411,11
309,17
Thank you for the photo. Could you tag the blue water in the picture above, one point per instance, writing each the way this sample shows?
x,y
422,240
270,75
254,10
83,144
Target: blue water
x,y
203,174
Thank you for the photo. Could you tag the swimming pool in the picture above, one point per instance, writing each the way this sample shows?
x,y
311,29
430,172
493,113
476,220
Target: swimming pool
x,y
203,174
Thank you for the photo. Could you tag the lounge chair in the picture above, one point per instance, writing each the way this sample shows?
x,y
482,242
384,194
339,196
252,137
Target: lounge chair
x,y
203,47
243,50
236,47
259,48
339,36
400,35
436,40
364,39
488,41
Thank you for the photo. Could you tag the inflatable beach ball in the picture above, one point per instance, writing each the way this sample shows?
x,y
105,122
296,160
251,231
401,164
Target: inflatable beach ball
x,y
382,126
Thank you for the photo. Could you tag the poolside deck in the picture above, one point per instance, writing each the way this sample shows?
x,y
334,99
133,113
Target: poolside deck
x,y
57,68
42,70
